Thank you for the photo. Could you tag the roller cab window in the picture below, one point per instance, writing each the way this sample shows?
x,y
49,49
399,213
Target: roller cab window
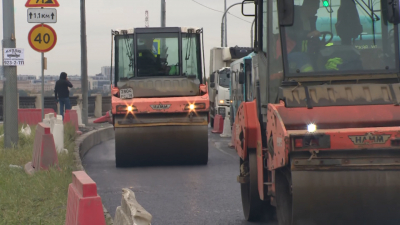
x,y
124,56
336,36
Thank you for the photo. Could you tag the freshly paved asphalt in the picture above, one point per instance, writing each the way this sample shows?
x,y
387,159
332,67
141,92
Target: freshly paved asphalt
x,y
174,194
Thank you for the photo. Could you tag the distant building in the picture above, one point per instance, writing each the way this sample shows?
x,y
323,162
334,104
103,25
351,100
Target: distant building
x,y
106,71
98,83
26,77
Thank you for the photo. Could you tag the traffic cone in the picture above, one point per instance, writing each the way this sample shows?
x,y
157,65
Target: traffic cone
x,y
218,124
227,131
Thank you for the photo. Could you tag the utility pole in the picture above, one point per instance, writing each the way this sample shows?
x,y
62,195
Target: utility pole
x,y
146,23
252,33
42,71
226,26
10,73
84,71
163,12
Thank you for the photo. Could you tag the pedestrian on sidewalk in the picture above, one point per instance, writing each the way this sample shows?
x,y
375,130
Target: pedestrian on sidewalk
x,y
61,92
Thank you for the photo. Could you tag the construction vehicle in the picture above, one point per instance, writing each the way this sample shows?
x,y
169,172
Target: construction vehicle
x,y
239,92
160,103
319,138
220,59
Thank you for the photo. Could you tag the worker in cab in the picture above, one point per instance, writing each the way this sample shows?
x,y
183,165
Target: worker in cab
x,y
303,37
148,62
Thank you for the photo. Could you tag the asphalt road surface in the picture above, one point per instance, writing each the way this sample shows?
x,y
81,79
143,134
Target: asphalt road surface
x,y
175,194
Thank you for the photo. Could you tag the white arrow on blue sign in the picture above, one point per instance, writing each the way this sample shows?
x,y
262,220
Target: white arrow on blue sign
x,y
39,15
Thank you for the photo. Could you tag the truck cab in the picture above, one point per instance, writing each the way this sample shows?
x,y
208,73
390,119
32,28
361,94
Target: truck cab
x,y
220,86
220,79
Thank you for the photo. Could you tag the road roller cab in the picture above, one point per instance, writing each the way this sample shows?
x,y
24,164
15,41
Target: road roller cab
x,y
160,100
319,139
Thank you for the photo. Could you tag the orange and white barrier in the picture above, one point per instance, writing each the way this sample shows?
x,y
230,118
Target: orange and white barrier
x,y
44,150
84,205
218,124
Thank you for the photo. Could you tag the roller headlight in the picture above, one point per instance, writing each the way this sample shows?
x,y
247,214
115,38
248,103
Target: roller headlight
x,y
126,109
221,101
311,128
195,106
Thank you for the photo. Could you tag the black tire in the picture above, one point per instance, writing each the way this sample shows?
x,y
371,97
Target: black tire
x,y
283,199
212,122
120,160
203,158
251,202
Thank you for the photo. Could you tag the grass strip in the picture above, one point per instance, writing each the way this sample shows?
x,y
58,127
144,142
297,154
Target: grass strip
x,y
39,199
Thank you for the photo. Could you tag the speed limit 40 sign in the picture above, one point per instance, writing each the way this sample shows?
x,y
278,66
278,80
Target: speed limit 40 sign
x,y
42,38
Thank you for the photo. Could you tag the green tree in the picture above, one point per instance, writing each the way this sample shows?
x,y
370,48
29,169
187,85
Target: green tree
x,y
22,93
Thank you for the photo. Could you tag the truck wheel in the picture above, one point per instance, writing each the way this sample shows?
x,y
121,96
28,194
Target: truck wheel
x,y
251,202
212,122
283,199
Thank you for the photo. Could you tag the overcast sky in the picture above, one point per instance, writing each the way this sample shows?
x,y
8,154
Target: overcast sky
x,y
104,15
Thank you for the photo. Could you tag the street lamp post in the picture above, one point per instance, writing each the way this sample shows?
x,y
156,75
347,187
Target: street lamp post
x,y
251,35
223,28
226,26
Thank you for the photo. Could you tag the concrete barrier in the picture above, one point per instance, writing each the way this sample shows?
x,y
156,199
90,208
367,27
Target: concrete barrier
x,y
84,205
98,107
87,141
44,150
79,113
131,212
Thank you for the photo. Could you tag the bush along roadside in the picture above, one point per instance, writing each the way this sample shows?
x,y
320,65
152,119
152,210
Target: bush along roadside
x,y
38,199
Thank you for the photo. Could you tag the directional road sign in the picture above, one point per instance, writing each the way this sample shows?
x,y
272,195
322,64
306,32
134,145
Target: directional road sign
x,y
13,57
42,3
42,38
39,15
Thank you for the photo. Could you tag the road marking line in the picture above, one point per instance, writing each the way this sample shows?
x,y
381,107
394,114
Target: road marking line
x,y
218,146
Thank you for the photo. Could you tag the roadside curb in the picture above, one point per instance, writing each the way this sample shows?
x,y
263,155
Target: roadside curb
x,y
87,141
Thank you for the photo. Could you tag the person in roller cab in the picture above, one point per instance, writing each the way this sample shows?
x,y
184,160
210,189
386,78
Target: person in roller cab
x,y
302,39
308,52
148,63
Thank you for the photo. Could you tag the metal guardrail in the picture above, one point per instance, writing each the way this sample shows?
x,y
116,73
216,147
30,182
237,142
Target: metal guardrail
x,y
50,103
106,104
27,102
73,100
91,105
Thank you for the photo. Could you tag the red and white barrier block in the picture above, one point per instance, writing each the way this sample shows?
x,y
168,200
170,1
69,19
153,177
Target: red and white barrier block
x,y
44,150
84,206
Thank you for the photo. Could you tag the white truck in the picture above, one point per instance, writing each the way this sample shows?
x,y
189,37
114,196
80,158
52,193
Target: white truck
x,y
220,74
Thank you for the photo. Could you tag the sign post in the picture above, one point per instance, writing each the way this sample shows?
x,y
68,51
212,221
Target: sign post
x,y
42,37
